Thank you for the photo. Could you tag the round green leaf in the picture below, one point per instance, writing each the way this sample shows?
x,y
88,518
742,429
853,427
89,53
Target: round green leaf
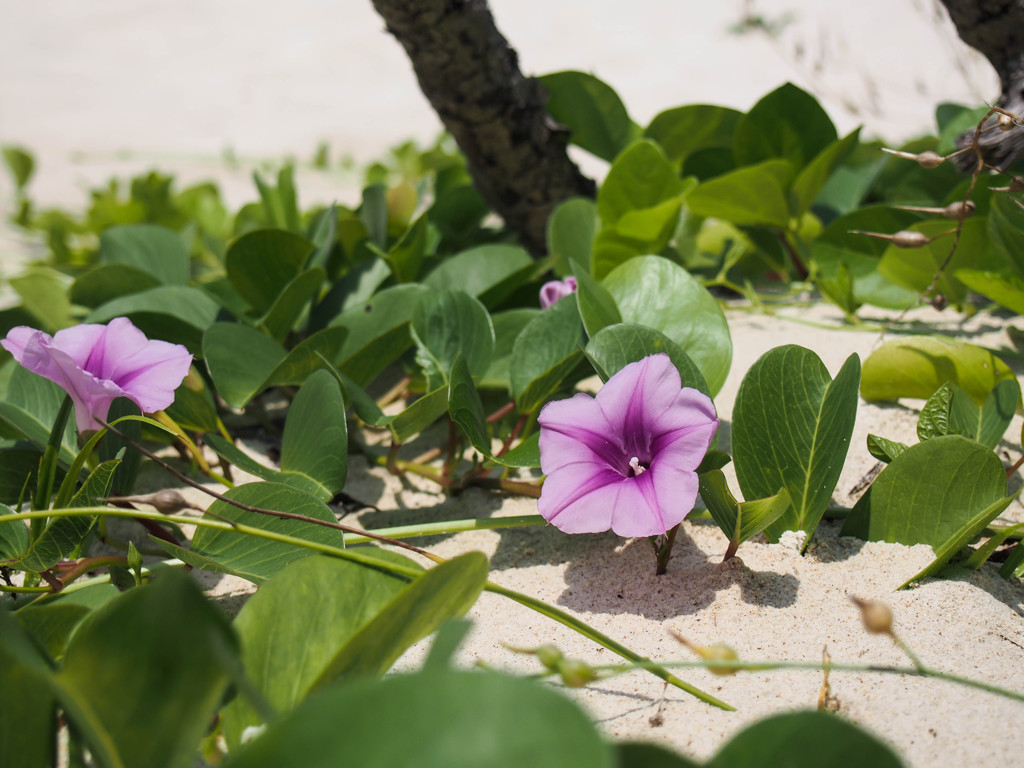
x,y
641,177
591,109
788,123
546,351
447,324
260,263
684,130
655,292
751,196
571,229
314,446
109,281
159,251
488,272
618,345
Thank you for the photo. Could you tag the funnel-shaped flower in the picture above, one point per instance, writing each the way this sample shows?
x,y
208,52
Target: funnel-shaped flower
x,y
556,289
626,459
97,363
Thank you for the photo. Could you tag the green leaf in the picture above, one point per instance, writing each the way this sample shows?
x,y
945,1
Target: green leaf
x,y
314,446
157,251
592,111
928,493
378,331
193,407
488,272
753,196
44,294
739,521
352,290
14,538
507,327
420,415
618,345
292,302
570,236
811,179
446,324
455,719
1003,288
545,353
988,423
51,623
684,130
32,406
324,238
655,292
466,408
641,177
526,454
296,623
22,165
916,366
791,429
840,243
179,314
173,665
788,123
374,214
107,282
596,305
804,740
28,729
915,268
260,263
883,449
934,418
1005,224
406,256
258,559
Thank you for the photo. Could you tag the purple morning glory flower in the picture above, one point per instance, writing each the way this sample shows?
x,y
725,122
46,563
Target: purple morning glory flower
x,y
97,363
625,459
556,289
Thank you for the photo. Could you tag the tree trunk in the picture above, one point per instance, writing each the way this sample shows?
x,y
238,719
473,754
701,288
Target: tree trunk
x,y
466,69
996,29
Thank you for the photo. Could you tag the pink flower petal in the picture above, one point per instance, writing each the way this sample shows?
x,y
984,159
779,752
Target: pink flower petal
x,y
576,429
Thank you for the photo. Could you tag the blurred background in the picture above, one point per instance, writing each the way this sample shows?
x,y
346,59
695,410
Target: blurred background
x,y
211,90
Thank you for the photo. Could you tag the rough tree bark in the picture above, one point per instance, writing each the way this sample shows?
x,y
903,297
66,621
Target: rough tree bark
x,y
996,29
466,69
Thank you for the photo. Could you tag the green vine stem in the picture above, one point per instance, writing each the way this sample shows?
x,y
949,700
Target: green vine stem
x,y
394,568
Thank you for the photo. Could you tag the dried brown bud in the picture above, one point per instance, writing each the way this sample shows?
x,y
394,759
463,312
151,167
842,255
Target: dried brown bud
x,y
939,301
166,501
926,159
960,210
876,616
1005,122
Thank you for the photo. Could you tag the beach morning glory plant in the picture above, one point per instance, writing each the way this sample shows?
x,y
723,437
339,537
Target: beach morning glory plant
x,y
95,364
627,458
556,289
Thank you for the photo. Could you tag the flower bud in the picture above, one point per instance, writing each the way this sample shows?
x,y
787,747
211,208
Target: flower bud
x,y
876,616
907,239
576,673
960,210
716,652
549,656
166,502
1005,122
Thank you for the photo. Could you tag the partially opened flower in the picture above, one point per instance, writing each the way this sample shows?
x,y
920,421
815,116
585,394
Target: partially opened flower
x,y
625,459
95,364
556,289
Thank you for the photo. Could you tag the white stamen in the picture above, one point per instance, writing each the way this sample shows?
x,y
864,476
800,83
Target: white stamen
x,y
634,463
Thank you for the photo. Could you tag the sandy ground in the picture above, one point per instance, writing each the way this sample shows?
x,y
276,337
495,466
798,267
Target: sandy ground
x,y
121,87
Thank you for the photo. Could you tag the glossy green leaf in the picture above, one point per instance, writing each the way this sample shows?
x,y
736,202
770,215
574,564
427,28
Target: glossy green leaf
x,y
280,204
260,263
804,740
179,314
618,345
173,666
791,429
1005,224
314,446
988,423
109,281
655,292
158,251
915,268
752,196
292,302
488,272
193,407
526,454
546,351
258,559
374,214
916,366
354,289
641,177
592,111
296,623
406,256
14,538
928,493
684,130
739,521
437,710
570,236
378,331
466,408
883,449
597,306
840,243
446,324
788,123
934,418
31,407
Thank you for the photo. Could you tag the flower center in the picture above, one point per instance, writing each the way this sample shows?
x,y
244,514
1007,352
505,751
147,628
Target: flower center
x,y
636,466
